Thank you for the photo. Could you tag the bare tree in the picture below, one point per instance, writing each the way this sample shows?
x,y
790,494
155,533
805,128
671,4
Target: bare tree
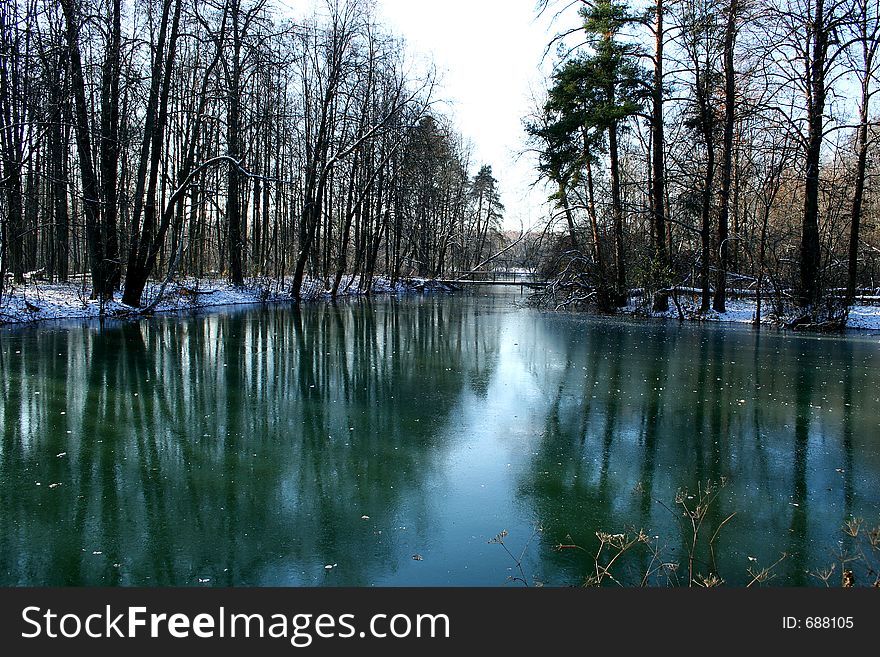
x,y
865,64
732,14
100,227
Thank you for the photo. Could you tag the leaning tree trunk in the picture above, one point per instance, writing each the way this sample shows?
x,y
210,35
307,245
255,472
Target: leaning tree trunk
x,y
143,232
569,217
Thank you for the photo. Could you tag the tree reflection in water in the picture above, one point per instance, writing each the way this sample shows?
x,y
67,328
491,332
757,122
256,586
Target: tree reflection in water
x,y
258,446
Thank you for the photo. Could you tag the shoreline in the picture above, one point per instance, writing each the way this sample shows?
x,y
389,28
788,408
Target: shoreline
x,y
742,311
38,303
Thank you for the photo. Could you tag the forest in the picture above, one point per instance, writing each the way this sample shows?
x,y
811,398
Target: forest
x,y
705,146
153,139
707,160
690,147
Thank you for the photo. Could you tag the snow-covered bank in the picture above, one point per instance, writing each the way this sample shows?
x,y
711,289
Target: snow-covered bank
x,y
45,301
861,317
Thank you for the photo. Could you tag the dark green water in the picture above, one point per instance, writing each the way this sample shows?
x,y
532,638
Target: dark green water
x,y
245,446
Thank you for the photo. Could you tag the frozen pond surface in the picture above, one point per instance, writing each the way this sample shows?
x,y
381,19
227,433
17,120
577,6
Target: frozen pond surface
x,y
390,439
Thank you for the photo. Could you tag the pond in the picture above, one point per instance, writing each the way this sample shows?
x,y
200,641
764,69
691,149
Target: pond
x,y
386,441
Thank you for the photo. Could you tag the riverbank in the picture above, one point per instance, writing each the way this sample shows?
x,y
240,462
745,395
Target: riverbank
x,y
742,311
35,301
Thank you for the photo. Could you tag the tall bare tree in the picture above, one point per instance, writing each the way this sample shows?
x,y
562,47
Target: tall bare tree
x,y
866,65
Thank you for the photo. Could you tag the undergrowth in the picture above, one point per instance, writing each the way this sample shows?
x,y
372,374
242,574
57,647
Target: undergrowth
x,y
638,558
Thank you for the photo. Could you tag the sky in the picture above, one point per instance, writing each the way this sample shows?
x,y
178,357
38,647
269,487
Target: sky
x,y
489,56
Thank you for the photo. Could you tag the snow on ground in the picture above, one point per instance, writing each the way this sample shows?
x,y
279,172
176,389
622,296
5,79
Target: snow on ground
x,y
742,311
737,311
36,301
41,301
864,317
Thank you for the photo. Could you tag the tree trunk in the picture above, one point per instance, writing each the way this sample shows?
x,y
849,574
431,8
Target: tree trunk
x,y
762,255
861,167
720,301
12,147
703,92
109,147
350,209
102,276
706,228
143,233
810,253
311,218
58,265
569,218
620,292
594,221
658,188
233,144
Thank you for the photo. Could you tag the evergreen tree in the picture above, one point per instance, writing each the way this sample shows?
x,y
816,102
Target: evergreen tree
x,y
592,96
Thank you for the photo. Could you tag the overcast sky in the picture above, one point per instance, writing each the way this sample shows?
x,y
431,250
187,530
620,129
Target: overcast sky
x,y
488,54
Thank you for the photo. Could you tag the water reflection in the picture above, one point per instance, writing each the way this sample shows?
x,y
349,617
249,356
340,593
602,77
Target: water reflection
x,y
238,448
788,421
258,446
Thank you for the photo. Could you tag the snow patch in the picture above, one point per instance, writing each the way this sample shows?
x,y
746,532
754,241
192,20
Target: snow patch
x,y
46,301
742,311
